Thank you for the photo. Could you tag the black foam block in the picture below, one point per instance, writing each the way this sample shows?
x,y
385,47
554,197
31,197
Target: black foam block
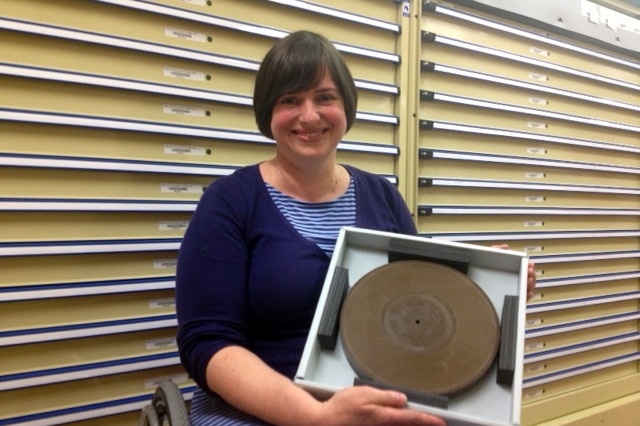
x,y
424,398
508,336
330,320
454,257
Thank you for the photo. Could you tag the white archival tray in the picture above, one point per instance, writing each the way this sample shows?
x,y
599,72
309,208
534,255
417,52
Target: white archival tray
x,y
498,272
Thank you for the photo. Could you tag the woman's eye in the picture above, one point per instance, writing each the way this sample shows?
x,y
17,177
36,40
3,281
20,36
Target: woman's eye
x,y
326,98
288,100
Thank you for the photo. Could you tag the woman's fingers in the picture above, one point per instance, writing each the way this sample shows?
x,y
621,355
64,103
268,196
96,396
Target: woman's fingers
x,y
371,406
531,272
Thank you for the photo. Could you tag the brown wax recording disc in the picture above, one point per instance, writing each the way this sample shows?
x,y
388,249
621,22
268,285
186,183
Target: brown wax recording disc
x,y
419,325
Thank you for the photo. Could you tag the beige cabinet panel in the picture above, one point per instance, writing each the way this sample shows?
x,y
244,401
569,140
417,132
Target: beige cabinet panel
x,y
100,185
370,69
245,10
287,18
371,132
580,398
85,309
527,73
80,57
554,365
71,226
526,148
58,183
79,142
550,246
534,345
47,355
446,196
582,381
517,223
588,267
124,105
379,9
374,163
35,139
42,270
485,117
123,65
443,83
177,33
568,292
124,419
538,50
90,391
376,103
545,319
137,25
533,174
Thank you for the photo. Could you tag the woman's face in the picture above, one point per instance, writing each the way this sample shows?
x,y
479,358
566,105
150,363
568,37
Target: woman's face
x,y
310,123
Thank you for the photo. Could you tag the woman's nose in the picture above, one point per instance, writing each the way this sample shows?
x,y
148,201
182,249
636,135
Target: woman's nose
x,y
308,112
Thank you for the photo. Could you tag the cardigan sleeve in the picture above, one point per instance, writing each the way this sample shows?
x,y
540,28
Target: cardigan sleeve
x,y
211,279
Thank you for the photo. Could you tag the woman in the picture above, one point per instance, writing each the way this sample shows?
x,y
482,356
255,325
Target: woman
x,y
253,260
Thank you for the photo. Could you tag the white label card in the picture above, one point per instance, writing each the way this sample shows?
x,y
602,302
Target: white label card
x,y
539,51
534,321
530,249
181,188
534,368
173,225
533,224
165,264
539,101
538,151
184,110
538,77
168,302
185,34
185,150
536,296
167,342
534,199
537,345
533,394
534,175
184,74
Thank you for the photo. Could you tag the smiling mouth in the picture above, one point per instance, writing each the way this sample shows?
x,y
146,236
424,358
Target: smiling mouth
x,y
310,135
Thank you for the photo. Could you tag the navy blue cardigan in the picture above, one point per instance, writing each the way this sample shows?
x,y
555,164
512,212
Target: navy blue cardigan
x,y
246,277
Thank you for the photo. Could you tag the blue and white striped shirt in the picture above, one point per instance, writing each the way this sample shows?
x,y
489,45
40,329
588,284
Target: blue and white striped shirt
x,y
318,222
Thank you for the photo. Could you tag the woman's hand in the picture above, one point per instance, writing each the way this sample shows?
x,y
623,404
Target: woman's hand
x,y
531,273
365,405
531,279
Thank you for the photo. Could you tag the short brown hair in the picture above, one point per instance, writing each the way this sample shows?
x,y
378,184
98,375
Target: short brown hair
x,y
295,63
